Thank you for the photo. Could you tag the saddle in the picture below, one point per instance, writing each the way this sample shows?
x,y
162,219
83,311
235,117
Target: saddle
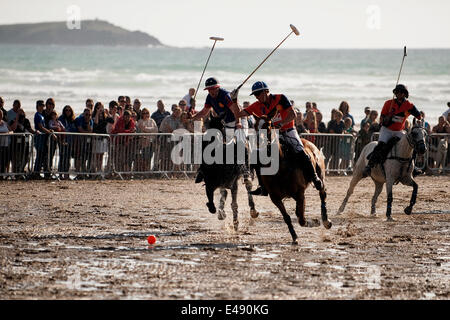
x,y
381,155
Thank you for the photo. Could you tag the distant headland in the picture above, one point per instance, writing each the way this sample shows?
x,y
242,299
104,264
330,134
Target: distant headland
x,y
91,32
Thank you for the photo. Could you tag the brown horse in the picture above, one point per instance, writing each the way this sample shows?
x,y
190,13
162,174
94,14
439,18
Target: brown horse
x,y
290,182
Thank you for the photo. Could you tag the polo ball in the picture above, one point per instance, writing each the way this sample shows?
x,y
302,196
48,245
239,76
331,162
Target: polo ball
x,y
151,239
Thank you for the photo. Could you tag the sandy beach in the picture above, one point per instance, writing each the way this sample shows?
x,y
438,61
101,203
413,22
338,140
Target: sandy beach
x,y
88,240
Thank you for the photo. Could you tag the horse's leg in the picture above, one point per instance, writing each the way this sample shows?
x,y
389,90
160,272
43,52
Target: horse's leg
x,y
351,188
300,207
223,197
210,203
234,205
412,202
378,189
248,185
287,219
323,209
389,184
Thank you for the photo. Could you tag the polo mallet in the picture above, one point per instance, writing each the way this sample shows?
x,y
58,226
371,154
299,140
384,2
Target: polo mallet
x,y
398,78
215,40
294,30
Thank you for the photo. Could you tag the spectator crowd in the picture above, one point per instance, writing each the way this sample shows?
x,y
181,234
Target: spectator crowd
x,y
124,117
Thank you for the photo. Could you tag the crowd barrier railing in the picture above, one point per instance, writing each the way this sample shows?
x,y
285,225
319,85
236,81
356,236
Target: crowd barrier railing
x,y
62,155
16,154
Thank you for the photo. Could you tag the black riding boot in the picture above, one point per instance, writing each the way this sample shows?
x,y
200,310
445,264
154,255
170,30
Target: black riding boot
x,y
376,157
260,191
309,173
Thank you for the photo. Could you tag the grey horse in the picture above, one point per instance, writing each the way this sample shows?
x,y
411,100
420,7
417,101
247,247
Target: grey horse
x,y
398,167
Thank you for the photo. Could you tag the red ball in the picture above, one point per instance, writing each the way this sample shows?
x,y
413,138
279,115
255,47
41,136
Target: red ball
x,y
151,239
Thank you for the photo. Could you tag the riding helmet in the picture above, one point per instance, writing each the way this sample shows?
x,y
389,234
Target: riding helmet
x,y
401,88
258,86
211,83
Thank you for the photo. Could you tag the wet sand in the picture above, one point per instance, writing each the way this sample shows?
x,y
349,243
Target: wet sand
x,y
88,240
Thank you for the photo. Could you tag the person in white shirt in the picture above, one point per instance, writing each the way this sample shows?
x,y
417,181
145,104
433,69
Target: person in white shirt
x,y
188,97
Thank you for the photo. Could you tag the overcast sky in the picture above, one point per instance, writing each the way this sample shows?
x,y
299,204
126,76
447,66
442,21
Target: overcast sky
x,y
259,23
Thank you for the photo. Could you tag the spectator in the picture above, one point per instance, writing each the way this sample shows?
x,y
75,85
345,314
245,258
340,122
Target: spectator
x,y
314,107
146,145
100,144
172,122
345,145
345,109
448,121
311,124
137,108
425,123
20,152
362,139
321,127
299,124
122,102
67,119
124,144
445,114
13,112
188,97
183,105
40,141
113,116
55,124
49,107
83,145
367,117
308,107
336,126
442,126
375,126
4,145
159,114
4,112
90,104
127,100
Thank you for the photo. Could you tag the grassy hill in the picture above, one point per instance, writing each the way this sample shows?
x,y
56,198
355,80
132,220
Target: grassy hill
x,y
92,32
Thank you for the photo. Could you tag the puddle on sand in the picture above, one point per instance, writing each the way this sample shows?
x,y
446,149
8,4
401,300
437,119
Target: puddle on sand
x,y
311,264
175,261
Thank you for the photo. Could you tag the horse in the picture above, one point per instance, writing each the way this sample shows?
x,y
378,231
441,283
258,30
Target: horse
x,y
226,176
398,167
289,182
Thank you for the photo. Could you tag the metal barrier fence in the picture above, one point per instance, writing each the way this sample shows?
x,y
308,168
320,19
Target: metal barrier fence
x,y
62,155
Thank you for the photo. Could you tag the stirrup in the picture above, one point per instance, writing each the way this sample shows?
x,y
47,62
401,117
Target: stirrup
x,y
260,191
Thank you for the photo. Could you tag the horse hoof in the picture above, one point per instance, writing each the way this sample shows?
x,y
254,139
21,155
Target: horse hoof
x,y
294,242
221,215
408,210
211,207
327,224
254,214
339,213
390,219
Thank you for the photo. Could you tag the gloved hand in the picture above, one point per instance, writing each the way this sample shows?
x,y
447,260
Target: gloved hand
x,y
234,95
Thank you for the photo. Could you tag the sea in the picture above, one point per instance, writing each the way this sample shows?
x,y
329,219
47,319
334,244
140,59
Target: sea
x,y
71,74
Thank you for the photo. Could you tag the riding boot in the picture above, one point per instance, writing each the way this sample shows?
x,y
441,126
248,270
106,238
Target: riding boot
x,y
260,191
308,169
377,156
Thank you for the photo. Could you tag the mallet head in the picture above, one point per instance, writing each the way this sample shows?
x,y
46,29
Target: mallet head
x,y
404,51
216,38
294,29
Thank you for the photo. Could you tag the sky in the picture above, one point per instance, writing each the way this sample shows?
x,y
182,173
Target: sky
x,y
258,24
